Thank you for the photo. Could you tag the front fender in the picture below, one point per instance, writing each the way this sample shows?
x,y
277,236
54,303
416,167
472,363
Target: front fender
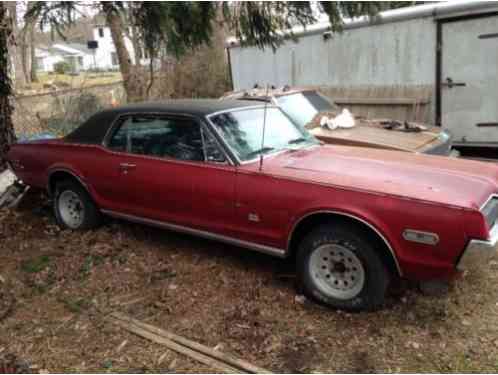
x,y
389,217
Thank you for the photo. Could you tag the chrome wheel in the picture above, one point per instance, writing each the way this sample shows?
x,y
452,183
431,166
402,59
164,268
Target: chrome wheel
x,y
71,209
336,271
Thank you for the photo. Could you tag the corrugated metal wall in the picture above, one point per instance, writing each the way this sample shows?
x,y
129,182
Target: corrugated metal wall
x,y
390,60
389,54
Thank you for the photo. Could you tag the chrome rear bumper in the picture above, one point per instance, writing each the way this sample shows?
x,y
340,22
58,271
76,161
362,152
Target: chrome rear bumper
x,y
478,252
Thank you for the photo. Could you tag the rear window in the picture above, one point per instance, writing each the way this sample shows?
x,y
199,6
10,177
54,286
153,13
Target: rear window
x,y
302,107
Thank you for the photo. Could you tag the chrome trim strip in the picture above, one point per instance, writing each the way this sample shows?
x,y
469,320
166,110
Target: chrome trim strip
x,y
393,254
478,251
236,109
280,253
492,196
208,125
418,237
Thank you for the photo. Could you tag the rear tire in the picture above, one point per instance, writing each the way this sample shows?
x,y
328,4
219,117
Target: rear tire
x,y
74,208
338,266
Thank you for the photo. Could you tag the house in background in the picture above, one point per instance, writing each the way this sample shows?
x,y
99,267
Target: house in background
x,y
102,57
77,55
105,53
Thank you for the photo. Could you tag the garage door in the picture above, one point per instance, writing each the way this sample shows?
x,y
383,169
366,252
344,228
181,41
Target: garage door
x,y
469,80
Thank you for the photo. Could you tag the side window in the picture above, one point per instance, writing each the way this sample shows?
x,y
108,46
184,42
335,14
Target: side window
x,y
211,148
160,137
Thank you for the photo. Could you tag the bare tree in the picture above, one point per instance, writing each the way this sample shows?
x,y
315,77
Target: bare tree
x,y
131,79
7,135
19,77
30,23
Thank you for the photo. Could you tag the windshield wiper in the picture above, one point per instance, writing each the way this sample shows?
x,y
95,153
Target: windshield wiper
x,y
297,140
261,150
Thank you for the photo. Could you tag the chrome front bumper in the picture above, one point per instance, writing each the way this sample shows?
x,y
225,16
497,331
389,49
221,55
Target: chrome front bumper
x,y
478,252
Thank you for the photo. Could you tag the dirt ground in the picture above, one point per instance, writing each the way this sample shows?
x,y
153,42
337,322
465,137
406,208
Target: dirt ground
x,y
56,288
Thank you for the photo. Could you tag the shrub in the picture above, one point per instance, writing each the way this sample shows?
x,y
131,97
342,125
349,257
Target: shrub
x,y
75,110
62,67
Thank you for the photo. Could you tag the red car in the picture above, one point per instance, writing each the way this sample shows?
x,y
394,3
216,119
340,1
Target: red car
x,y
354,218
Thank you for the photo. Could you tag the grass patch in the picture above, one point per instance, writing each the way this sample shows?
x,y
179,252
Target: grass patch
x,y
76,305
84,79
36,265
89,262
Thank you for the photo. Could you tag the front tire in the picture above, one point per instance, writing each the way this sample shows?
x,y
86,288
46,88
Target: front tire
x,y
338,266
74,208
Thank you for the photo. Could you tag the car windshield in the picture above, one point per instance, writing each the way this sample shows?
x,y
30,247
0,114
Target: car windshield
x,y
303,106
243,130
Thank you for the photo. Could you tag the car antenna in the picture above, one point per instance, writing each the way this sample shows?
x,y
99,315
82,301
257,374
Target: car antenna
x,y
264,127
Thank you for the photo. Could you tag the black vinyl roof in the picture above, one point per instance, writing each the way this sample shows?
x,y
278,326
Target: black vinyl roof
x,y
96,127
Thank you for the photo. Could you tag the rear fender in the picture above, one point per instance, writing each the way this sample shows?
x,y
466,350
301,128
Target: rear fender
x,y
58,171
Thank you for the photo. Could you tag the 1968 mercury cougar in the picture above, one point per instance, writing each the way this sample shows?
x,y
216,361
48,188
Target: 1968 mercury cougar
x,y
353,218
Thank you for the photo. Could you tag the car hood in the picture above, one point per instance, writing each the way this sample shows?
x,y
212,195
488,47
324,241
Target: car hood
x,y
449,181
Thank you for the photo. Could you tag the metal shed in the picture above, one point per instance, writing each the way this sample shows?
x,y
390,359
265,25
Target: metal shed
x,y
436,63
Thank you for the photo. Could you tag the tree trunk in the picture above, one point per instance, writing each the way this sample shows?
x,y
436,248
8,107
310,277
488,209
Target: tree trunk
x,y
131,79
34,67
19,78
32,24
7,135
23,47
137,48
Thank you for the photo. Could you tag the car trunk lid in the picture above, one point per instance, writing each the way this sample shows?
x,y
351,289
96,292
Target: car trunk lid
x,y
376,134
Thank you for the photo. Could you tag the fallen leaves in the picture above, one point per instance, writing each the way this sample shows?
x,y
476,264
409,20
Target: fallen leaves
x,y
413,344
300,299
220,296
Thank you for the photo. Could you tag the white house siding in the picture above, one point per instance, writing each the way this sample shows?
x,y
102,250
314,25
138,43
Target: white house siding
x,y
106,49
401,53
87,62
46,61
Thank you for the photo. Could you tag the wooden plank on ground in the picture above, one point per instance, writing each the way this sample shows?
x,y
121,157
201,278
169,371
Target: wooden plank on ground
x,y
231,361
218,365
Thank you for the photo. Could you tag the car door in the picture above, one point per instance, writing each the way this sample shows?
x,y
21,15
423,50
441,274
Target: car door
x,y
165,175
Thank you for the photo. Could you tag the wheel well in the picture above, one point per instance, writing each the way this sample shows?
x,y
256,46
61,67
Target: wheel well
x,y
59,176
309,222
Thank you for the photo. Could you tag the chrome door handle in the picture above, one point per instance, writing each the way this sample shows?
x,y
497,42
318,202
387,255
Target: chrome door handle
x,y
127,166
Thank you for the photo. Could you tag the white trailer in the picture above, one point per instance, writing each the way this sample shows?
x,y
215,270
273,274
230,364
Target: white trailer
x,y
448,49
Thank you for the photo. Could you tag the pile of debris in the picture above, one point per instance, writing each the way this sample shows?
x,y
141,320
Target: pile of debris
x,y
11,189
331,120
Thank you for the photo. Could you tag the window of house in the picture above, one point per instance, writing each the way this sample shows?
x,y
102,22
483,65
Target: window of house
x,y
161,137
114,58
101,32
